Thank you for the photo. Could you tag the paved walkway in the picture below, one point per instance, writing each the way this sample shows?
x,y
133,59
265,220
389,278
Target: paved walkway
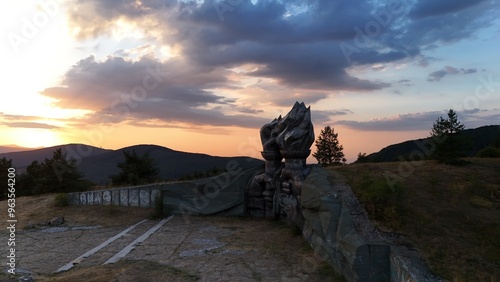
x,y
210,248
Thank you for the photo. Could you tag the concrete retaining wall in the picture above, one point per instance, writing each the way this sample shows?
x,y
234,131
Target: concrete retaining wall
x,y
223,194
136,196
327,225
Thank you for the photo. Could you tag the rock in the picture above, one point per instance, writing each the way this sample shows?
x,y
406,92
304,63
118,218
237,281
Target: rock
x,y
56,221
26,279
30,226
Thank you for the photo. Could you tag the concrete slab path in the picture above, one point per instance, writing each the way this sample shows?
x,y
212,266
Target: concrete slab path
x,y
211,248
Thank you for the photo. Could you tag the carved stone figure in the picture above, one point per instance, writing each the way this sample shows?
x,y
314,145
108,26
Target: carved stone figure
x,y
277,191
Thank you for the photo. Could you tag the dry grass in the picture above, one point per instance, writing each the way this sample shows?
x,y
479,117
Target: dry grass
x,y
450,213
125,271
40,209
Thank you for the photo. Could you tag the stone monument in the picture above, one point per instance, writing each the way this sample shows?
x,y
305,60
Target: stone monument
x,y
277,191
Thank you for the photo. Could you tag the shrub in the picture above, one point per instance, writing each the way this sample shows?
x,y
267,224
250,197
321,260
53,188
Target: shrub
x,y
62,200
380,199
158,211
489,152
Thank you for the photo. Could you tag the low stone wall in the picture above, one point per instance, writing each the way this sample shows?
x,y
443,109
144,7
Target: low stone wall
x,y
223,194
136,196
327,225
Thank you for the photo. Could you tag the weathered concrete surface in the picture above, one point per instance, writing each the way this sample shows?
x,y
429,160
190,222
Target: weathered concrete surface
x,y
223,194
219,195
137,196
212,248
339,231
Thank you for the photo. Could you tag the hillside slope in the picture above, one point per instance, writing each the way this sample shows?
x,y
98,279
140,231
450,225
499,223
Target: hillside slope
x,y
11,148
24,158
98,164
450,214
474,141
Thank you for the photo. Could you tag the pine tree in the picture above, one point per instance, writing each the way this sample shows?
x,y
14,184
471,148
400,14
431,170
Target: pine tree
x,y
57,174
136,170
445,131
328,149
5,164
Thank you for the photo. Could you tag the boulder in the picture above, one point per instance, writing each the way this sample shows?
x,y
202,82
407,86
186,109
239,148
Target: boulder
x,y
56,221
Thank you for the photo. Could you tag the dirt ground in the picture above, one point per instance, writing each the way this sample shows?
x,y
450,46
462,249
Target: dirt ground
x,y
184,249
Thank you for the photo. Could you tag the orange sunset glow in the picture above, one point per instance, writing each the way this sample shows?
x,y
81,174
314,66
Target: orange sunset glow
x,y
191,77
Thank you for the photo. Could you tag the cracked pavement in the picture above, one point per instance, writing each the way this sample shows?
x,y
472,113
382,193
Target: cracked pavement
x,y
209,248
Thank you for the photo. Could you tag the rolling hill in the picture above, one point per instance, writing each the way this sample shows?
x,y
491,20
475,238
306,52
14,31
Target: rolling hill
x,y
98,164
474,141
12,148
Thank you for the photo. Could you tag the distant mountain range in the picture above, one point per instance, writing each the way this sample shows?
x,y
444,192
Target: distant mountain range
x,y
12,148
98,164
474,141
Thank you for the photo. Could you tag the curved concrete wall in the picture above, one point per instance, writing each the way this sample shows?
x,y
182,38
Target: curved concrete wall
x,y
328,227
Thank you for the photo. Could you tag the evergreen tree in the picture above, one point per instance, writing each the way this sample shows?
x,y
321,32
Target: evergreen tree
x,y
328,149
445,131
5,164
136,170
57,174
362,158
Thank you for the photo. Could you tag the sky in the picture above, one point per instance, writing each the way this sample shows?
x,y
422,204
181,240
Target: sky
x,y
205,76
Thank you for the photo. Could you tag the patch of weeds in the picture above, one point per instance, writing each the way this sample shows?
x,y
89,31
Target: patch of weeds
x,y
295,230
327,273
489,152
434,181
456,162
381,199
62,200
480,202
111,210
177,272
158,210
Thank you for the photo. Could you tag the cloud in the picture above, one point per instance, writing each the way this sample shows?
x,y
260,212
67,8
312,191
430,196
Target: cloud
x,y
120,90
428,8
422,121
439,74
294,48
18,117
29,125
326,116
23,121
404,122
298,50
294,42
91,84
